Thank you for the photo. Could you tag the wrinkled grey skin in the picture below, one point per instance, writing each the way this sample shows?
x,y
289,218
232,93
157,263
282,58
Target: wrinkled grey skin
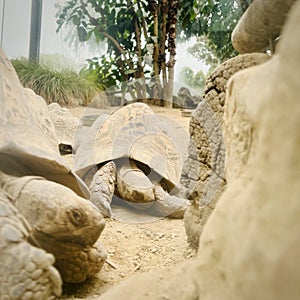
x,y
102,188
27,272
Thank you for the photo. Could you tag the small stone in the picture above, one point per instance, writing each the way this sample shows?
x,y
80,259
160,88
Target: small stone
x,y
15,279
165,297
38,295
23,276
148,233
31,285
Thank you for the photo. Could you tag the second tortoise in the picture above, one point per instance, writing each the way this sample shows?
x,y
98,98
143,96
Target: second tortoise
x,y
139,154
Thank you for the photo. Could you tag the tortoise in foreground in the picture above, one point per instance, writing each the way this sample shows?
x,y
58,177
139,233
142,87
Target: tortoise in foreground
x,y
41,186
27,272
63,223
140,156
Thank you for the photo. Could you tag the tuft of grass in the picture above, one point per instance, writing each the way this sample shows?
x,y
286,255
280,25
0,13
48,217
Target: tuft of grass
x,y
62,87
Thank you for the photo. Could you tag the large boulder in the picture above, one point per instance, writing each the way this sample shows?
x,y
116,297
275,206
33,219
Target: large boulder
x,y
203,173
249,248
260,25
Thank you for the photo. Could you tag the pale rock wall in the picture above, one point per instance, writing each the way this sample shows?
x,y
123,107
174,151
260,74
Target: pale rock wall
x,y
250,246
203,173
260,25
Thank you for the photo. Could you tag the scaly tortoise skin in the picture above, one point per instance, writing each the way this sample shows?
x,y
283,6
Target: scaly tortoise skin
x,y
63,223
27,272
139,150
42,187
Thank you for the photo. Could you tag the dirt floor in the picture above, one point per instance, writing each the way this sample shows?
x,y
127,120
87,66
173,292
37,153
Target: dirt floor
x,y
135,243
134,248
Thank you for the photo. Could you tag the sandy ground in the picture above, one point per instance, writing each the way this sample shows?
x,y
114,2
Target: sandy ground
x,y
135,244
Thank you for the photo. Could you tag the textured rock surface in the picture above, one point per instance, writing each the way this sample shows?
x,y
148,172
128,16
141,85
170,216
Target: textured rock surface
x,y
254,226
260,25
27,272
65,124
185,99
250,246
203,172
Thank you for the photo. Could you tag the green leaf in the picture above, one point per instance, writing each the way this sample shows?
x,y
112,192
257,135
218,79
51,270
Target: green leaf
x,y
129,71
76,20
98,35
89,34
82,34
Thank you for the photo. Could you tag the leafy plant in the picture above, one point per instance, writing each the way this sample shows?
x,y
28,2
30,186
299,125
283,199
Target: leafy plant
x,y
136,30
206,52
212,21
54,86
195,81
133,31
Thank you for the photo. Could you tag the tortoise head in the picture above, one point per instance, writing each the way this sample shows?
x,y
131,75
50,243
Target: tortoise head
x,y
57,212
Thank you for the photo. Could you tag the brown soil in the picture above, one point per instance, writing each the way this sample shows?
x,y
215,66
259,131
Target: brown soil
x,y
134,248
135,244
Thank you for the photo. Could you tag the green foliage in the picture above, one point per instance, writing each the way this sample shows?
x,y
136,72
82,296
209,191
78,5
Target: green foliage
x,y
111,21
128,28
214,19
195,81
54,86
204,51
58,62
101,71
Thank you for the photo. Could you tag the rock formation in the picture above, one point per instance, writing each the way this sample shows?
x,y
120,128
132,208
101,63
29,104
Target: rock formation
x,y
203,173
260,25
249,248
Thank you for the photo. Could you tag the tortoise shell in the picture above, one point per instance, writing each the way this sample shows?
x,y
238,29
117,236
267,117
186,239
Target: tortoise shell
x,y
134,132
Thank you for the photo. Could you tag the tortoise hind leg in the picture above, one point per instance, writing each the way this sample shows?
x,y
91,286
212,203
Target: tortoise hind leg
x,y
133,185
167,205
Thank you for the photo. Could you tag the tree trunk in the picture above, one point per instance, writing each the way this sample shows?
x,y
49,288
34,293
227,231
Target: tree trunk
x,y
140,86
156,89
172,18
162,47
